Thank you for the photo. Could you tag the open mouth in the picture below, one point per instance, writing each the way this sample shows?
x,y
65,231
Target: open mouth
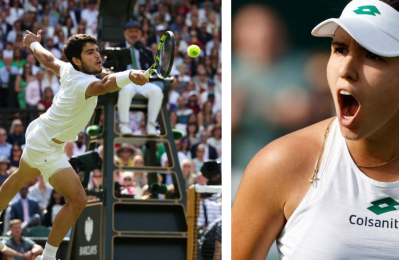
x,y
348,104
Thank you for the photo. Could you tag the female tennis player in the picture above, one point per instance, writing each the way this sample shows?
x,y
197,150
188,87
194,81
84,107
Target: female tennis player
x,y
331,191
72,109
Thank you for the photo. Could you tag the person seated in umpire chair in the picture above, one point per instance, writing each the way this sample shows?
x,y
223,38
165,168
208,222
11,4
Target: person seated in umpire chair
x,y
142,58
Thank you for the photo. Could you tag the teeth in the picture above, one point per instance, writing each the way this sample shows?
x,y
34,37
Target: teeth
x,y
347,117
344,92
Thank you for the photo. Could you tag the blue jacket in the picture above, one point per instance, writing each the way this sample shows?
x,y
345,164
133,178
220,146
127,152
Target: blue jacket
x,y
17,211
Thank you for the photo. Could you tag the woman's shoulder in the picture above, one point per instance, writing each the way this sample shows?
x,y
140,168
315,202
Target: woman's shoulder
x,y
290,155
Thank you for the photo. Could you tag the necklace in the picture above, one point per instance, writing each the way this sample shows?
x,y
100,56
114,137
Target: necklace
x,y
314,178
378,165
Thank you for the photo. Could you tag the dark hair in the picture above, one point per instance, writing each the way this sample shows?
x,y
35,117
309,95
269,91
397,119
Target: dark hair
x,y
52,201
393,3
74,46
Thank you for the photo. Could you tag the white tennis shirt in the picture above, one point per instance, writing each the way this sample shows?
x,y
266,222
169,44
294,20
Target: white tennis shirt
x,y
70,111
347,215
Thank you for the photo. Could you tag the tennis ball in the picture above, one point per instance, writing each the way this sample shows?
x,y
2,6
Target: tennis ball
x,y
193,51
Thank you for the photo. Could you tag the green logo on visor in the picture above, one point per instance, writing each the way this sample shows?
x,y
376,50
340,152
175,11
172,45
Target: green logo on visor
x,y
383,206
367,9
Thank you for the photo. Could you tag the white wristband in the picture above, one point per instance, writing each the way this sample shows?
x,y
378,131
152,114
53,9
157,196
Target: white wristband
x,y
33,45
122,78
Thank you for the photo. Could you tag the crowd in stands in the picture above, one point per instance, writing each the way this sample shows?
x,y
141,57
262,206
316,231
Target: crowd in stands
x,y
194,99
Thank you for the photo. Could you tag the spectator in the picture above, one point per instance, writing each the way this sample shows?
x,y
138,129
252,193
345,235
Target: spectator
x,y
177,25
210,151
27,210
74,13
16,153
54,14
181,44
185,147
16,11
215,56
34,92
46,27
47,100
4,166
5,26
128,186
201,79
52,47
8,52
78,146
23,247
182,111
199,158
216,97
188,173
205,115
180,155
193,102
30,59
96,180
204,36
218,80
216,139
27,21
212,43
90,14
21,83
51,80
40,192
213,23
194,40
17,133
125,156
140,177
5,72
210,71
18,62
192,133
5,147
56,202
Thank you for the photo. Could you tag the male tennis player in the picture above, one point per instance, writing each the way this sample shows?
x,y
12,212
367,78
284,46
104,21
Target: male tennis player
x,y
142,58
348,208
72,108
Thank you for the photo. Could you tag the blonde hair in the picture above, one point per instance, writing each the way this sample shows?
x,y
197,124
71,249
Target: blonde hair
x,y
191,178
15,222
136,158
15,122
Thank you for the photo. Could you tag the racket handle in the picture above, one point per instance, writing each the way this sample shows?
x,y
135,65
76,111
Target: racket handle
x,y
148,73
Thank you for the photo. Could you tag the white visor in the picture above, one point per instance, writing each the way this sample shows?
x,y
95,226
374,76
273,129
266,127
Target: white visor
x,y
372,23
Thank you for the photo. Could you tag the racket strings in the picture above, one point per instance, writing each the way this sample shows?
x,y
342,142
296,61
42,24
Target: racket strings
x,y
165,57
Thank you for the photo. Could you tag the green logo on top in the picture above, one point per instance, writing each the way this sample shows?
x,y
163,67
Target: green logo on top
x,y
367,9
383,206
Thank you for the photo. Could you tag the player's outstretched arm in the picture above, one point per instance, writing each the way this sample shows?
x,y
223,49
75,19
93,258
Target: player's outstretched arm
x,y
116,81
45,57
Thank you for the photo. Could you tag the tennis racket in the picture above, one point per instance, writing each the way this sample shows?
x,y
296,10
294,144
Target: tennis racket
x,y
164,58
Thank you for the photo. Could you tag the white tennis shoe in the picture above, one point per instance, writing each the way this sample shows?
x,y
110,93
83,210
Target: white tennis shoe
x,y
151,129
125,130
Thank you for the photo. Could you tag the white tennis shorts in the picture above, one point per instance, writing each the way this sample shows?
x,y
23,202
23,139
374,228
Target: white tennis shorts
x,y
42,153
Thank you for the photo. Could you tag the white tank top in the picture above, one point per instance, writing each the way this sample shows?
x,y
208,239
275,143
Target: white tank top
x,y
346,215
